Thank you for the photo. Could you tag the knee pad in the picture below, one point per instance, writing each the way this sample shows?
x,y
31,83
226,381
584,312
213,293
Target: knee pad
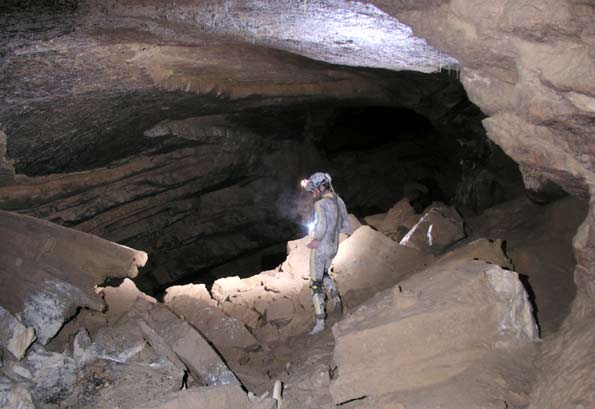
x,y
316,286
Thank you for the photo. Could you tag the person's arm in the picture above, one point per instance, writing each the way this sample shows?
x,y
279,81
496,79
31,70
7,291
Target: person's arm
x,y
321,225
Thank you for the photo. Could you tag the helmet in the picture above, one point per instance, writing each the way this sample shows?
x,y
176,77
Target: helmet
x,y
316,180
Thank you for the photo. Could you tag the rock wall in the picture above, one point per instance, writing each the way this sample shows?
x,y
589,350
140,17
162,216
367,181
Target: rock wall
x,y
529,66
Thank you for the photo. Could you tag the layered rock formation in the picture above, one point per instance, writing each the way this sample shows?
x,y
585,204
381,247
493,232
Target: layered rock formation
x,y
47,272
96,101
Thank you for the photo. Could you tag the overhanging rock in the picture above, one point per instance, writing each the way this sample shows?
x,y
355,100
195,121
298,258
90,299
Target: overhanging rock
x,y
48,271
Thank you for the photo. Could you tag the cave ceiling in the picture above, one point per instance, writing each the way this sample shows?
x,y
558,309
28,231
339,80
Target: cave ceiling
x,y
81,81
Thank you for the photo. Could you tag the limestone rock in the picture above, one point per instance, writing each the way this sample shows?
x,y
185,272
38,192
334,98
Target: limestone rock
x,y
90,320
267,302
439,227
370,261
14,336
53,375
49,271
212,397
243,312
190,347
227,287
297,262
121,342
194,304
108,384
280,312
375,220
120,299
399,220
490,251
448,320
14,395
568,360
82,341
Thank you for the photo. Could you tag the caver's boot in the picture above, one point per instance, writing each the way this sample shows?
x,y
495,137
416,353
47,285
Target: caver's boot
x,y
318,327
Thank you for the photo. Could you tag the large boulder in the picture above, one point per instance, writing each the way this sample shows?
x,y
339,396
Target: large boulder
x,y
194,304
399,220
442,323
439,227
369,261
48,271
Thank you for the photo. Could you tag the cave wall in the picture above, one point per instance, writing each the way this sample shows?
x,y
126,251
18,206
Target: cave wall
x,y
530,66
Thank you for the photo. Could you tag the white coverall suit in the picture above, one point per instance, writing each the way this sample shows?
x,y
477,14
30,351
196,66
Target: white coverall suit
x,y
330,219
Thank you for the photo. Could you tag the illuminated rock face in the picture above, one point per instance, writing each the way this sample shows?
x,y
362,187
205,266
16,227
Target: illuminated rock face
x,y
450,321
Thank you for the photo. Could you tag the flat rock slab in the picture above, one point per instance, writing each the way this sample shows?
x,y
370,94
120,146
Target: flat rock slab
x,y
211,397
490,251
190,347
431,328
369,261
194,304
48,271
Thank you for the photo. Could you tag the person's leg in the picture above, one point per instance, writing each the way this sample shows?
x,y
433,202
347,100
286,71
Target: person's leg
x,y
317,265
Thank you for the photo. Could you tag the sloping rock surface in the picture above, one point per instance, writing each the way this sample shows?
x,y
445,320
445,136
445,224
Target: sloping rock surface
x,y
430,329
369,261
48,271
439,227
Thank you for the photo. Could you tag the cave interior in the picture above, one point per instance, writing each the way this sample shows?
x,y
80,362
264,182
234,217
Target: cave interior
x,y
460,136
